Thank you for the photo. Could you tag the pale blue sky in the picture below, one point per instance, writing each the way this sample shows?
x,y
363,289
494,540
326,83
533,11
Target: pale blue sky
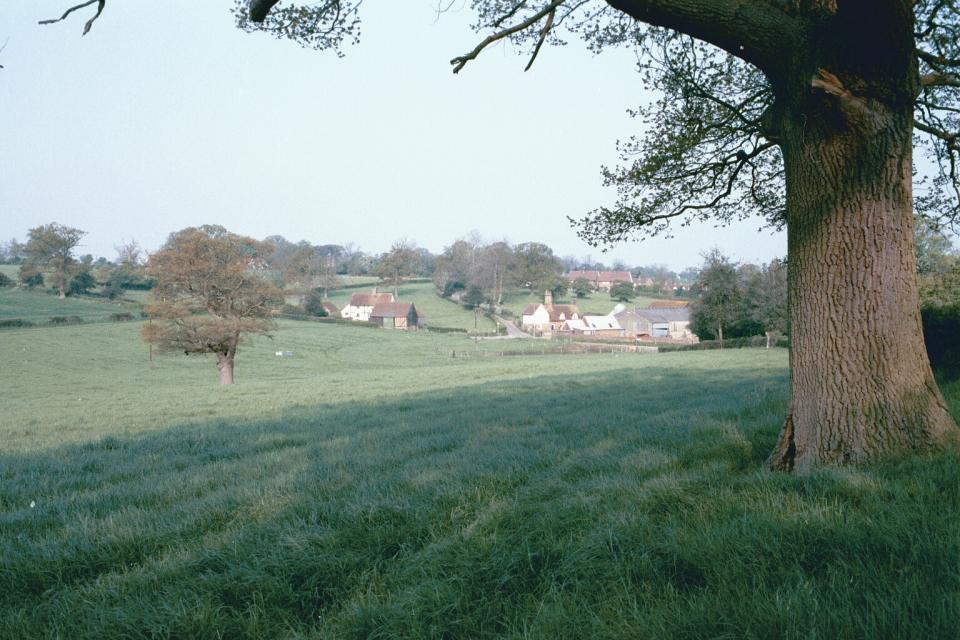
x,y
167,116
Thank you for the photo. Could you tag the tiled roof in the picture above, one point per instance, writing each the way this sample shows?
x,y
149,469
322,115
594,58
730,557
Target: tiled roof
x,y
601,322
669,304
680,314
391,310
530,309
568,311
369,299
615,276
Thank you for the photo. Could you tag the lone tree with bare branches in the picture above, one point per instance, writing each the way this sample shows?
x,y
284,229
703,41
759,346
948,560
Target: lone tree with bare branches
x,y
209,293
805,112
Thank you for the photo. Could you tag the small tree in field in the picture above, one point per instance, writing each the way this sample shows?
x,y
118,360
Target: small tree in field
x,y
308,267
474,297
720,296
313,305
581,287
51,246
622,291
209,293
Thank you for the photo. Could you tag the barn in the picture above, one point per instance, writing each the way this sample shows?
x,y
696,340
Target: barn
x,y
395,315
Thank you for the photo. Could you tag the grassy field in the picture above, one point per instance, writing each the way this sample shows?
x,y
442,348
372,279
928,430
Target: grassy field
x,y
438,311
38,306
371,486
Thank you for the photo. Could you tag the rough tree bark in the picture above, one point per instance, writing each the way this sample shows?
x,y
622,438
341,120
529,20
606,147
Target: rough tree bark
x,y
861,384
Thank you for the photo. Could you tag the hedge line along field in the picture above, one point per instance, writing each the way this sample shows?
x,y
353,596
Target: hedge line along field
x,y
370,486
38,307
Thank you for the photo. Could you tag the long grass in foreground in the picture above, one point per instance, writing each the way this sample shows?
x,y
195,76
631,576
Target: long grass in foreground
x,y
603,497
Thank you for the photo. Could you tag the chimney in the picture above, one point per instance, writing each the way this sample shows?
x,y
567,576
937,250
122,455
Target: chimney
x,y
548,298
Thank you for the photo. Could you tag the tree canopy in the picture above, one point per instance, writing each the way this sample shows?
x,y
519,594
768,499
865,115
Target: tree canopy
x,y
210,291
50,247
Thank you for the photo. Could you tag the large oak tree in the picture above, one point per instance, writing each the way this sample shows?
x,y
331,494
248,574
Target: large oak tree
x,y
806,112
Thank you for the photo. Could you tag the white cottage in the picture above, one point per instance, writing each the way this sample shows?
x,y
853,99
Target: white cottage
x,y
361,305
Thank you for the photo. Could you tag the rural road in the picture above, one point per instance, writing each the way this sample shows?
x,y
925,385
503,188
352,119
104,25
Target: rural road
x,y
512,330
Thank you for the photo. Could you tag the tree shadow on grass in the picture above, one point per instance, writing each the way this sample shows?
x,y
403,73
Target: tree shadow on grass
x,y
630,503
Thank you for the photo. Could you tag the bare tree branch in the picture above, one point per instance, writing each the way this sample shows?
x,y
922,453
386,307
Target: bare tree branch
x,y
86,27
460,61
940,80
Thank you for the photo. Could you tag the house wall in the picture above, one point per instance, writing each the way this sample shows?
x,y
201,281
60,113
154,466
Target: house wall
x,y
361,314
540,319
607,333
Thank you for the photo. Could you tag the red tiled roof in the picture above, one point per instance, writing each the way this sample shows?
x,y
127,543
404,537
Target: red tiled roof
x,y
330,308
615,276
392,310
668,304
530,309
568,311
586,275
369,299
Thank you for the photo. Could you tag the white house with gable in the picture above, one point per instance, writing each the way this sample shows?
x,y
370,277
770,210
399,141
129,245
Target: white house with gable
x,y
361,305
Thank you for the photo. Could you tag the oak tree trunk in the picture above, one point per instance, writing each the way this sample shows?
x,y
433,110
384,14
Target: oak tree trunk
x,y
861,384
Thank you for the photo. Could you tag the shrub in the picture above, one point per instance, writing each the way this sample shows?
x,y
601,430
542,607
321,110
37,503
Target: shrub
x,y
8,323
59,320
30,277
474,297
452,287
82,282
292,310
121,317
622,291
445,330
112,291
581,287
729,343
5,281
313,305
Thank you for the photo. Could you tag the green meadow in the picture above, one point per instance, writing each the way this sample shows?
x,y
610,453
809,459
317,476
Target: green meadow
x,y
37,307
371,486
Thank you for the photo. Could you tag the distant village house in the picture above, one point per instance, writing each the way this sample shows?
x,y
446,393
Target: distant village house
x,y
546,318
361,305
395,315
668,324
601,280
595,326
331,309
